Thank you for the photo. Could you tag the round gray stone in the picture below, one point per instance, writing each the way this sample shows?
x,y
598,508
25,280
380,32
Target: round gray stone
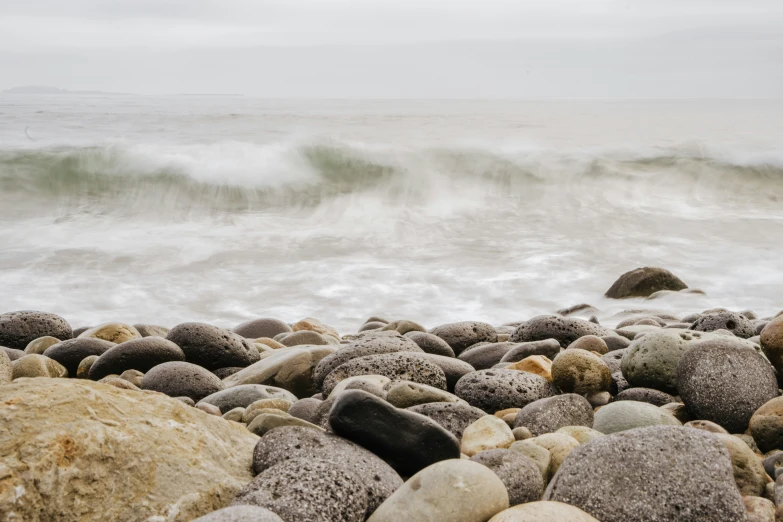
x,y
453,416
395,366
240,514
552,413
18,329
564,329
431,343
461,336
212,347
734,322
651,361
519,474
498,389
181,379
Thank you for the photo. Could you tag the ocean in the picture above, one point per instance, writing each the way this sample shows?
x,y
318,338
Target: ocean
x,y
221,209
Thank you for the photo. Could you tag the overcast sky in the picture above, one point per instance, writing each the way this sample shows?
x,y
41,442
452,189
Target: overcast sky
x,y
398,48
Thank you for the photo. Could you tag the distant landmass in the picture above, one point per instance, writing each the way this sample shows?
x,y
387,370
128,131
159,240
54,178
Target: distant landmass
x,y
42,89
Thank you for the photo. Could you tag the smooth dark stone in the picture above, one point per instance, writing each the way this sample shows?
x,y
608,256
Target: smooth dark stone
x,y
408,441
137,354
453,368
17,329
454,416
773,463
181,379
549,348
552,413
264,327
487,355
498,389
431,343
212,347
244,395
616,342
463,335
648,395
305,409
644,282
73,351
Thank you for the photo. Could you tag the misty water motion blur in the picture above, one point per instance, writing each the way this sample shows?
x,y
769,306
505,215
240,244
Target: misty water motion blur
x,y
219,209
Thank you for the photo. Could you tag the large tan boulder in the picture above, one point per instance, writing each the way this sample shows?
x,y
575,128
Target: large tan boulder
x,y
76,450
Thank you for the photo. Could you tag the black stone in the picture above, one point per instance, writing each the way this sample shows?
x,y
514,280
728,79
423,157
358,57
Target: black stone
x,y
137,354
181,379
73,351
17,329
212,347
549,348
644,282
463,335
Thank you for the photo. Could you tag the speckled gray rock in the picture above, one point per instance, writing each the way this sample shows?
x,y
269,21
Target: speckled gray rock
x,y
498,389
453,368
240,514
627,415
648,395
138,354
308,488
212,347
453,416
658,473
395,366
651,361
264,327
485,356
616,342
18,329
431,343
734,322
181,379
285,443
73,351
518,473
725,383
302,337
405,394
371,345
244,395
614,359
549,348
550,414
460,336
564,329
151,330
643,282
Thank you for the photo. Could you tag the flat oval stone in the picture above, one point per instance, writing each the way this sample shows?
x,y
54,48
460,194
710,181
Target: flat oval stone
x,y
264,327
18,329
181,379
627,415
552,413
404,394
395,366
549,348
406,440
648,395
212,347
543,511
454,416
72,352
244,395
454,490
487,355
498,389
431,343
138,354
461,336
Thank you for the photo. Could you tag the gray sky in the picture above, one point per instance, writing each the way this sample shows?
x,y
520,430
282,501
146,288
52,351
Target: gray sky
x,y
398,48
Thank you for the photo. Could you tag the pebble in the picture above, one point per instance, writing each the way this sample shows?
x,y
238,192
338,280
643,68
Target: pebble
x,y
521,433
406,440
627,415
559,446
151,330
706,426
548,348
674,473
734,322
181,379
564,329
648,395
265,422
370,383
211,347
137,354
244,395
72,352
430,343
582,434
40,345
651,361
549,414
535,364
538,454
404,394
308,489
519,474
771,338
766,425
453,368
264,327
580,371
395,366
13,353
240,514
18,329
455,490
591,343
484,356
725,383
113,332
543,511
35,365
487,433
461,336
643,282
453,416
498,389
748,469
759,509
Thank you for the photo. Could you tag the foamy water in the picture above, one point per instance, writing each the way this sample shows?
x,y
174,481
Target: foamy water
x,y
221,209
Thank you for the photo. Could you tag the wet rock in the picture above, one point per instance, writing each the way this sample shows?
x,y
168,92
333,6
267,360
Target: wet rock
x,y
18,329
240,514
395,366
35,365
518,473
725,383
642,282
406,440
498,389
72,436
453,416
138,354
487,433
736,323
285,443
485,356
308,489
181,379
648,395
454,490
548,348
244,395
461,336
404,394
564,329
648,474
627,415
579,371
71,352
212,347
431,343
651,361
264,327
151,330
543,511
549,414
591,343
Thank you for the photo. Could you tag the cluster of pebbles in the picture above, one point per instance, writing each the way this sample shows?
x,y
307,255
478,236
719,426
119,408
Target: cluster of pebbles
x,y
554,418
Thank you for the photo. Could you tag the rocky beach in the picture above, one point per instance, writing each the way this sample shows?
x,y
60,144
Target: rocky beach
x,y
558,417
